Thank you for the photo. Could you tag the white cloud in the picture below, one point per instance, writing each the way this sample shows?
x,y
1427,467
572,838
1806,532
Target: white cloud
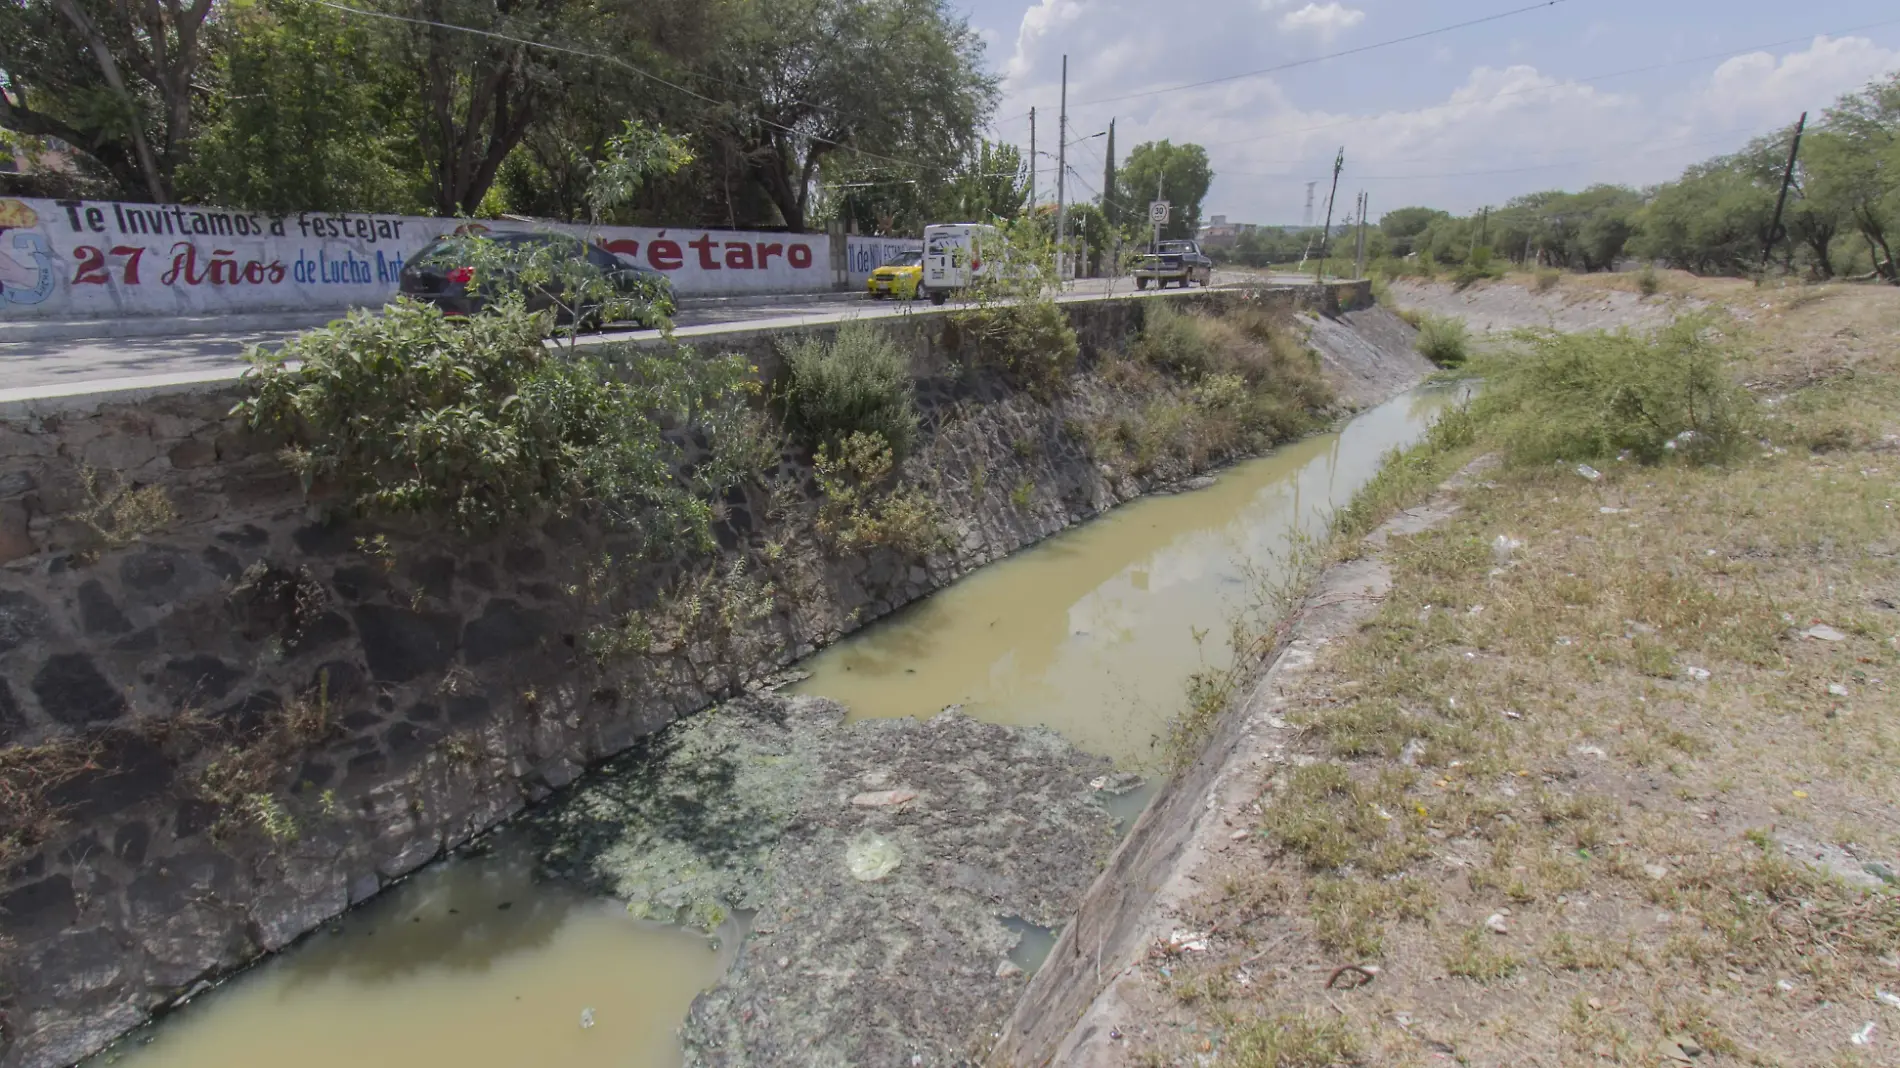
x,y
1328,20
1758,88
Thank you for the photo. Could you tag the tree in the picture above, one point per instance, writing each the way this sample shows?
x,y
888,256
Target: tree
x,y
313,115
1855,168
1184,176
808,79
113,78
1404,225
1711,221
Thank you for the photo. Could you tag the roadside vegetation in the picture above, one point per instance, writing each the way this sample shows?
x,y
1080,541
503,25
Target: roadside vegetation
x,y
1608,777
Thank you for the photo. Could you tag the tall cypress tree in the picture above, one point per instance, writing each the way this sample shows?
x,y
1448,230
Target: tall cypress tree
x,y
1110,210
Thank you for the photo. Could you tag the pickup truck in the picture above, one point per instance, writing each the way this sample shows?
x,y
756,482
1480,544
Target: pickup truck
x,y
1180,262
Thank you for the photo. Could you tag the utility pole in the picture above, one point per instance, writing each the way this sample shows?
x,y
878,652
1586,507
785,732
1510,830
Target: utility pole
x,y
1359,253
1787,179
1062,171
1326,232
1032,161
1306,219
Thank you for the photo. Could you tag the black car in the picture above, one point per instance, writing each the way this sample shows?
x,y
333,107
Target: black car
x,y
443,273
1180,262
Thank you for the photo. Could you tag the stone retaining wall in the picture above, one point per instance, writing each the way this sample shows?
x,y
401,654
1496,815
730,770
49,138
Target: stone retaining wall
x,y
253,717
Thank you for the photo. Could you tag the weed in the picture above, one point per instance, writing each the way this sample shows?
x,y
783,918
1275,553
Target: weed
x,y
1290,1040
29,775
1473,958
858,383
857,514
1443,340
1594,396
1029,340
1648,281
1022,495
119,513
270,816
1548,279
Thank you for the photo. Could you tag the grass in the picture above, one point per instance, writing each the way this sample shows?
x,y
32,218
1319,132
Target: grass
x,y
1443,340
857,383
1518,729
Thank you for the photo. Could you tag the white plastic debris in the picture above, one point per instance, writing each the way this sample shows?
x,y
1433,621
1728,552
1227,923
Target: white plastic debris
x,y
1592,751
1696,673
1497,923
1823,632
587,1018
871,857
1589,472
1188,942
1503,547
1890,1000
1607,510
1836,689
1784,986
1864,1036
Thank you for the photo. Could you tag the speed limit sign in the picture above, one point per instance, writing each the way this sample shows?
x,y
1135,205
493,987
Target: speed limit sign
x,y
1158,211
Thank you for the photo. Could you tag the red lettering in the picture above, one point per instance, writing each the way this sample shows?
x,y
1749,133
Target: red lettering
x,y
274,273
664,255
766,252
622,246
799,256
705,246
254,273
738,255
92,267
184,266
224,272
131,254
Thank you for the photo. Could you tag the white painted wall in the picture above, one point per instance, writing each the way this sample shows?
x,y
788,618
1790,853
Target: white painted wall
x,y
98,259
866,254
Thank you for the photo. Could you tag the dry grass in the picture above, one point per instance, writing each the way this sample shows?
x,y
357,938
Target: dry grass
x,y
1602,798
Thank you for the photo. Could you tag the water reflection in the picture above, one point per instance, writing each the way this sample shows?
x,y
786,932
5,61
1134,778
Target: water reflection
x,y
1094,632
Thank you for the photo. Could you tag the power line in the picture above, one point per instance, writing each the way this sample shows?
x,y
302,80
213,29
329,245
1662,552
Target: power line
x,y
1310,61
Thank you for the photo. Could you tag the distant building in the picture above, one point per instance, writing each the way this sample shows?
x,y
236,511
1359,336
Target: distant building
x,y
1219,233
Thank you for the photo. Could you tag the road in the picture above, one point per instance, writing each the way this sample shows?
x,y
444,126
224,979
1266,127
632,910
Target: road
x,y
26,366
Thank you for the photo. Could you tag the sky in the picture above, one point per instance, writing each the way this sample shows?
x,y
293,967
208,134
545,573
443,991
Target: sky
x,y
1560,96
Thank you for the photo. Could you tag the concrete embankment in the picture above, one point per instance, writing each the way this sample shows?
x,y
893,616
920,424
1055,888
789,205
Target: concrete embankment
x,y
262,716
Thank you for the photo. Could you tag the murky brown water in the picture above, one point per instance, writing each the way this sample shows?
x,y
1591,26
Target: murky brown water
x,y
1091,633
472,964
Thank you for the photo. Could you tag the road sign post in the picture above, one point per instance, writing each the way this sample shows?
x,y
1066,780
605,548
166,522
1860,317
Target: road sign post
x,y
1158,211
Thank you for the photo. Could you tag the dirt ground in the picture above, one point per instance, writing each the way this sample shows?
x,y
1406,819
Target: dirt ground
x,y
1609,776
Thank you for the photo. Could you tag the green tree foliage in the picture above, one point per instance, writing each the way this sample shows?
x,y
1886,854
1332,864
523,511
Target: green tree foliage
x,y
1402,227
409,413
118,81
903,79
320,124
1184,175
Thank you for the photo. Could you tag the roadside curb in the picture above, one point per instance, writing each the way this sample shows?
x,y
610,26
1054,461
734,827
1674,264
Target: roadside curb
x,y
259,322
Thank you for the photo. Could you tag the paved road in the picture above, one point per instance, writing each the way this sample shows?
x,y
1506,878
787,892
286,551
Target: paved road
x,y
62,365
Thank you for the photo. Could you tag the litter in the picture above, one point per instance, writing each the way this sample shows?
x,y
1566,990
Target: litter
x,y
870,857
1589,472
1497,924
1892,1000
587,1018
1592,751
1837,689
1864,1036
1823,632
1696,673
1503,547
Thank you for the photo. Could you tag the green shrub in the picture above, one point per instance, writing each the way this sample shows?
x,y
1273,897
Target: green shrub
x,y
1594,396
860,382
1478,267
1028,339
1648,281
474,419
1443,340
859,513
1548,278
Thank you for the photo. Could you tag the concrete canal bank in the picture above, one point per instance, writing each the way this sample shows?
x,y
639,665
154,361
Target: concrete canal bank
x,y
452,680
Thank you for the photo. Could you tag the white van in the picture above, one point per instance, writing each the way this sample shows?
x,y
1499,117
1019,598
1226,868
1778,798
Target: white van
x,y
955,257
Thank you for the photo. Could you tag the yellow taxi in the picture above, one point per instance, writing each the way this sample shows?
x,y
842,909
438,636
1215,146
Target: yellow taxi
x,y
899,277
